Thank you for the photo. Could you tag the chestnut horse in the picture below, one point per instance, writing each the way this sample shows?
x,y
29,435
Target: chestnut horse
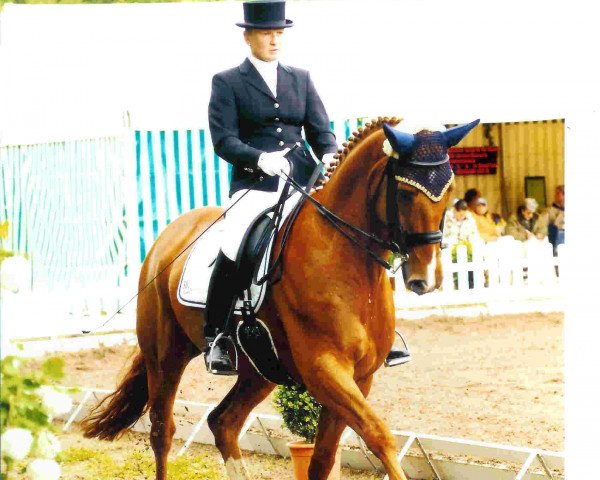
x,y
332,296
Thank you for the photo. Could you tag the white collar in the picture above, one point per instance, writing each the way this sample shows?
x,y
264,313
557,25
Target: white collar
x,y
263,66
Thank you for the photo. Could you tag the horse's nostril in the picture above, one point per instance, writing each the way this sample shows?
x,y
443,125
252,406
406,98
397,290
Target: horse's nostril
x,y
418,286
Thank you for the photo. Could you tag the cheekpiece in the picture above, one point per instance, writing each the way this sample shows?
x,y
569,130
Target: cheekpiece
x,y
265,15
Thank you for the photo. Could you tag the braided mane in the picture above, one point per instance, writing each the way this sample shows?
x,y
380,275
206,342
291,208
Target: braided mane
x,y
357,137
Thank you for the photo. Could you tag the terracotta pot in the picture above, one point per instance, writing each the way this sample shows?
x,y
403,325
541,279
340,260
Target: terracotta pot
x,y
302,453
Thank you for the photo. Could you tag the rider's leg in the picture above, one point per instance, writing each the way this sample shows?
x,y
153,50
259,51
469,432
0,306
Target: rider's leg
x,y
224,287
220,303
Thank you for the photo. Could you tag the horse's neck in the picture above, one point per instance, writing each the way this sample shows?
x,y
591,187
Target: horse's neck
x,y
347,193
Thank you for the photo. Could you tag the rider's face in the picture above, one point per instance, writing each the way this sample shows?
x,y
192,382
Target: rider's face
x,y
265,44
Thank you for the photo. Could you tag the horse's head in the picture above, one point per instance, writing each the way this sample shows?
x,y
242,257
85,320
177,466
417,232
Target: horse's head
x,y
419,180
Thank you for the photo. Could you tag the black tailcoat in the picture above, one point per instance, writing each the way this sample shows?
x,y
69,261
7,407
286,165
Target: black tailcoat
x,y
246,120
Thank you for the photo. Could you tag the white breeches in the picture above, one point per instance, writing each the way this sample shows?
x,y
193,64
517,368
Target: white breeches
x,y
238,219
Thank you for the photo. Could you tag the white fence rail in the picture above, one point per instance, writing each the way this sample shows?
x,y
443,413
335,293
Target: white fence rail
x,y
423,456
503,271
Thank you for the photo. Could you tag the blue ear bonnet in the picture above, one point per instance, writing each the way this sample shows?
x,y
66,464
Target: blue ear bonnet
x,y
423,157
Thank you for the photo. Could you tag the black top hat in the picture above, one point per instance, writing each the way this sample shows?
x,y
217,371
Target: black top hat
x,y
265,14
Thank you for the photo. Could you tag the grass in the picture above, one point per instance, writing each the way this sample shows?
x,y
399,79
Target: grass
x,y
136,464
131,458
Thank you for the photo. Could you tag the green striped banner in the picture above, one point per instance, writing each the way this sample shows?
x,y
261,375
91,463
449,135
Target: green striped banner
x,y
66,210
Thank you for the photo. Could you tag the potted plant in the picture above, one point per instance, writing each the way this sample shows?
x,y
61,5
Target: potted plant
x,y
300,413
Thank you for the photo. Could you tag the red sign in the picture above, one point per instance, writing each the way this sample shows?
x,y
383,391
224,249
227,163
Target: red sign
x,y
474,160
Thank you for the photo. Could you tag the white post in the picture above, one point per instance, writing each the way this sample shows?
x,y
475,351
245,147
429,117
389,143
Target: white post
x,y
462,263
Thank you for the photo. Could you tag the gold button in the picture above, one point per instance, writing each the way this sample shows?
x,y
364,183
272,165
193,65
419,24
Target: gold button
x,y
281,143
278,129
276,105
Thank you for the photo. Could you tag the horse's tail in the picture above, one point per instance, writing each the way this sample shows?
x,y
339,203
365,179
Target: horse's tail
x,y
125,405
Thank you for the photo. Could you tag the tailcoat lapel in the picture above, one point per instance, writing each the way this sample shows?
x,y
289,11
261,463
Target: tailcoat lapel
x,y
251,75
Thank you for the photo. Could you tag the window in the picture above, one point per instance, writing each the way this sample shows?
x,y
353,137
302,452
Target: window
x,y
535,187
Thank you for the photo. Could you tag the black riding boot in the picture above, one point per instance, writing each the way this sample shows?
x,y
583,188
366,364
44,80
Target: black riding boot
x,y
220,304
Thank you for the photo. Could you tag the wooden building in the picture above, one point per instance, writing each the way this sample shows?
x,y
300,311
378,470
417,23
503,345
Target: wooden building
x,y
530,163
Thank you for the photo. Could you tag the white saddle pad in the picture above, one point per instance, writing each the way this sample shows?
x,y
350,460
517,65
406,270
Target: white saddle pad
x,y
193,284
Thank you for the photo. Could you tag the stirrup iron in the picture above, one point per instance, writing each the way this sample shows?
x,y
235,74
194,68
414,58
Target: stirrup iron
x,y
212,346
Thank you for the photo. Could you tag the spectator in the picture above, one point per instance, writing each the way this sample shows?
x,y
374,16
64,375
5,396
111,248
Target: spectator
x,y
556,218
471,195
527,224
459,225
489,228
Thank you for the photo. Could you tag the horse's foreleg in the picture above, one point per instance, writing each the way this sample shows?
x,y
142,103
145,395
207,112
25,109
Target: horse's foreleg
x,y
227,419
331,427
333,385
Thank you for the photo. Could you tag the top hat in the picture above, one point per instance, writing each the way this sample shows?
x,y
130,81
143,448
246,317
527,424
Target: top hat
x,y
265,14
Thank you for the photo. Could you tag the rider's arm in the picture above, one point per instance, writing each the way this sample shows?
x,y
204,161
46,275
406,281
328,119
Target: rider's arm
x,y
223,121
316,123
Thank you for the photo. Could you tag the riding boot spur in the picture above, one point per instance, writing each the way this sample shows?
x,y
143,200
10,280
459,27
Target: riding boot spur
x,y
220,304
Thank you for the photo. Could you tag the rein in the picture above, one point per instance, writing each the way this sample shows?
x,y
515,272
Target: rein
x,y
400,239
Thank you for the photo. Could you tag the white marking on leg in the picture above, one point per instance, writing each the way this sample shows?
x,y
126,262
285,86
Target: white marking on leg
x,y
236,470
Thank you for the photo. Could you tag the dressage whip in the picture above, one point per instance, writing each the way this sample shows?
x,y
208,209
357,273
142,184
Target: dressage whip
x,y
85,332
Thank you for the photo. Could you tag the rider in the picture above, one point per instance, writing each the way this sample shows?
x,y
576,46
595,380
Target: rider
x,y
256,114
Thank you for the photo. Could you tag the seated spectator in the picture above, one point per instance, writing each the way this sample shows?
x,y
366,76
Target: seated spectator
x,y
527,224
459,225
489,228
471,195
556,218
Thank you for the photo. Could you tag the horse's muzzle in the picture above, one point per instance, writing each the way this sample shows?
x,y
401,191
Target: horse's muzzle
x,y
418,286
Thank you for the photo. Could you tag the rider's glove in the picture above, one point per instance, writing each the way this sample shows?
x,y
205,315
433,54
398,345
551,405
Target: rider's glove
x,y
273,163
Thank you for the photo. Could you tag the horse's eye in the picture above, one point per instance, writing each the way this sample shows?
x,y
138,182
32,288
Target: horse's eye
x,y
405,195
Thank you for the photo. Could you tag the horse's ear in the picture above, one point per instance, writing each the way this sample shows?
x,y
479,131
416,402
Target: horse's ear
x,y
456,134
401,142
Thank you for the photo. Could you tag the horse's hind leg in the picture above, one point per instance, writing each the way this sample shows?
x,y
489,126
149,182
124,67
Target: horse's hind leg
x,y
227,419
164,375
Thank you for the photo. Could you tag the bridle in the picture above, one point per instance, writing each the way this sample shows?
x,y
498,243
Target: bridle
x,y
403,239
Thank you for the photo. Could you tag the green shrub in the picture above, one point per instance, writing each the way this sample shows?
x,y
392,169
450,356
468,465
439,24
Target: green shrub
x,y
300,411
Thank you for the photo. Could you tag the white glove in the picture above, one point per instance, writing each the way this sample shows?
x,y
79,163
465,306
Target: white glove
x,y
273,163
